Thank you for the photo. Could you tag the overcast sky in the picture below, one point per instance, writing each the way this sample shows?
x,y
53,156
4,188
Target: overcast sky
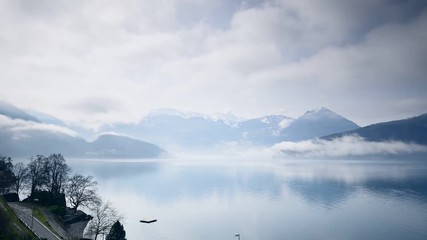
x,y
93,62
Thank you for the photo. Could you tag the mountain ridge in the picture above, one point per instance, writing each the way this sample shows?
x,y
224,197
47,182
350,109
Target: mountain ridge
x,y
25,138
412,129
190,131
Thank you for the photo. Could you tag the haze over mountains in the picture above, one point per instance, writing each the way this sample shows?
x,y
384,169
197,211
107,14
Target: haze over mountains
x,y
168,127
22,134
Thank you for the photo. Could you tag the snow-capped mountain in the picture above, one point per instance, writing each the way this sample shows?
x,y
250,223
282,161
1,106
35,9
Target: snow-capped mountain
x,y
169,127
316,123
172,128
228,118
264,130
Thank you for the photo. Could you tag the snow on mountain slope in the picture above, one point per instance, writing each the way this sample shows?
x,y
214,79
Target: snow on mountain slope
x,y
316,123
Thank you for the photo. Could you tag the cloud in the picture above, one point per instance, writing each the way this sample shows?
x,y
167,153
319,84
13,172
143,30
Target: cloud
x,y
115,61
21,128
345,147
97,105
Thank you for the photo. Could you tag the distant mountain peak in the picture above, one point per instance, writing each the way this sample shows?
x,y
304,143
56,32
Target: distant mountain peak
x,y
320,109
316,123
228,118
321,112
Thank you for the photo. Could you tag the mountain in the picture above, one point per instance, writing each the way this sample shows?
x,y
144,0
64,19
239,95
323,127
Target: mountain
x,y
264,130
21,138
407,130
174,128
33,142
168,127
13,112
108,145
29,142
24,135
316,123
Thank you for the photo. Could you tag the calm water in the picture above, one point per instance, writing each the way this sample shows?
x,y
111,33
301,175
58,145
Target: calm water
x,y
265,200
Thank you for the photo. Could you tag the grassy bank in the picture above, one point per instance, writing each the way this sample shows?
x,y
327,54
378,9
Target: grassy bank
x,y
42,218
10,225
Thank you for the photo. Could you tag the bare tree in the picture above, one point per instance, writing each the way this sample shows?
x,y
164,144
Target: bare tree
x,y
81,191
7,177
58,171
21,176
38,172
104,216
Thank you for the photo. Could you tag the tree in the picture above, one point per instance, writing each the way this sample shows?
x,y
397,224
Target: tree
x,y
81,191
117,232
104,217
7,178
38,173
57,172
21,176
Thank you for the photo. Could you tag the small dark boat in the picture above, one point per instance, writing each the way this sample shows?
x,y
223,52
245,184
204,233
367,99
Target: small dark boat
x,y
149,221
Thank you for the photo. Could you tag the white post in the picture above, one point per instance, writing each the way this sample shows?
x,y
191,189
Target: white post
x,y
32,212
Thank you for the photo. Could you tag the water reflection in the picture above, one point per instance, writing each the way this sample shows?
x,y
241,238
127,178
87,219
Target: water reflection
x,y
330,183
114,169
163,182
326,193
267,200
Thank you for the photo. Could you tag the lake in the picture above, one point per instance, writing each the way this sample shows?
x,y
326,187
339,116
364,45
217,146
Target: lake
x,y
265,199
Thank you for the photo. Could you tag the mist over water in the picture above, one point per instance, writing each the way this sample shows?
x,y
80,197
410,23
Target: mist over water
x,y
265,198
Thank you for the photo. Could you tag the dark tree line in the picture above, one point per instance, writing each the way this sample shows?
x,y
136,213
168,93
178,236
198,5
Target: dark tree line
x,y
49,177
47,174
117,232
7,177
43,174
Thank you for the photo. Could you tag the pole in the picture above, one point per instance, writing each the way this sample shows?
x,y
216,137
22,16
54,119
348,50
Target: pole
x,y
32,216
32,212
237,235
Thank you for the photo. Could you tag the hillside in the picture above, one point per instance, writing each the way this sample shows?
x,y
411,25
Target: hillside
x,y
19,138
24,135
10,226
405,130
109,146
106,146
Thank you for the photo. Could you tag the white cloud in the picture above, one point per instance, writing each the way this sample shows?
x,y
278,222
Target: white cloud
x,y
346,146
213,56
22,129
